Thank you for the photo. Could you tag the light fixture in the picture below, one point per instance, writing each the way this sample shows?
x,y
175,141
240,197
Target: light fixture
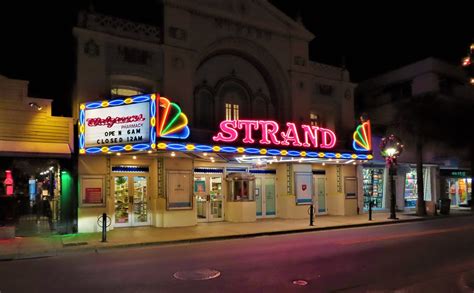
x,y
119,154
109,153
173,154
134,157
149,152
36,106
205,154
324,164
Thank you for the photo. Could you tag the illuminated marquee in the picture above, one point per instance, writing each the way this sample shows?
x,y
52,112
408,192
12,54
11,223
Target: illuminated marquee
x,y
129,124
268,132
124,124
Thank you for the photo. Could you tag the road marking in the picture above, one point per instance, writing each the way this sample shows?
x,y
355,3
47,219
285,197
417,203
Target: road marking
x,y
405,235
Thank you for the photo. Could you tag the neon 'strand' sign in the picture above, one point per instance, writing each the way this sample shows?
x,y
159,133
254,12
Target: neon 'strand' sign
x,y
268,132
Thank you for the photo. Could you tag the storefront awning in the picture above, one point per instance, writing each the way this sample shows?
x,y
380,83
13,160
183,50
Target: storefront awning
x,y
39,149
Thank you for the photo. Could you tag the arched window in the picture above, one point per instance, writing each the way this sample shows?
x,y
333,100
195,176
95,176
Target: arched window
x,y
124,91
234,101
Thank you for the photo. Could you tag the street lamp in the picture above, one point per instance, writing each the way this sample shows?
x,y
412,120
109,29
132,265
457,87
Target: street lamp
x,y
391,148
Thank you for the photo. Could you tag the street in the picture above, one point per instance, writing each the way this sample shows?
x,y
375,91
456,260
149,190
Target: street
x,y
427,256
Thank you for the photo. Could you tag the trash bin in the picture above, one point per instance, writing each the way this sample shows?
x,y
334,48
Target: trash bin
x,y
444,205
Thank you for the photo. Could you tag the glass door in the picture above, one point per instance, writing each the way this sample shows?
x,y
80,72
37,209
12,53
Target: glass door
x,y
216,200
265,197
122,201
209,198
319,198
139,204
131,200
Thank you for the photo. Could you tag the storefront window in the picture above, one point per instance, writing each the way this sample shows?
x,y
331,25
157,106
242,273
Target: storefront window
x,y
411,192
459,191
373,187
30,194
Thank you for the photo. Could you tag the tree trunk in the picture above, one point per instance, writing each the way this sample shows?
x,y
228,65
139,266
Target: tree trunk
x,y
420,203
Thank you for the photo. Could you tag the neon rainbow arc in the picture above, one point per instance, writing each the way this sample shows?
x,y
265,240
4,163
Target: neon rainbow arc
x,y
362,137
172,122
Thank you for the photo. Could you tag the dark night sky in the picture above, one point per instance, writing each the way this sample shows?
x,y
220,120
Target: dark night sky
x,y
373,38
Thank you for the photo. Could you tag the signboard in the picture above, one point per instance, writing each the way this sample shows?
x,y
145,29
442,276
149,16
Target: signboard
x,y
93,195
92,191
304,188
350,187
124,124
268,132
179,194
456,173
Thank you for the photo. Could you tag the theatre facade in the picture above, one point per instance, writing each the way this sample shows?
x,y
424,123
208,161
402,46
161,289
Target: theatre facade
x,y
213,113
141,163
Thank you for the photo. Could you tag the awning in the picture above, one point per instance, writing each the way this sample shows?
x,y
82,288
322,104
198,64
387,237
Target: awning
x,y
36,149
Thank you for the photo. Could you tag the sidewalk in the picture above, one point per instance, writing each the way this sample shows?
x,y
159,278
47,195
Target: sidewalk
x,y
35,247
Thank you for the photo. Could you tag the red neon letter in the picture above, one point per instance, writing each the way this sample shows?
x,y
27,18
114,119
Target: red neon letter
x,y
248,125
290,135
328,138
310,134
227,127
269,129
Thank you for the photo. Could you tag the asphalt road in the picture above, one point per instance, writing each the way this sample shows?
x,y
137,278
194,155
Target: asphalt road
x,y
429,256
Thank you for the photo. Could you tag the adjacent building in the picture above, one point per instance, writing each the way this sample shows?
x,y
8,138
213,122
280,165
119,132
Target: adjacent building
x,y
445,170
36,157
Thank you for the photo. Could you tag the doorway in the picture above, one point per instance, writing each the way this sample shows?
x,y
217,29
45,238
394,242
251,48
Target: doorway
x,y
209,198
319,197
265,196
131,200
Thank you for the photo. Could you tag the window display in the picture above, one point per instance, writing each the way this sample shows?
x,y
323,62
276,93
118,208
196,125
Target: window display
x,y
459,191
411,189
373,187
411,193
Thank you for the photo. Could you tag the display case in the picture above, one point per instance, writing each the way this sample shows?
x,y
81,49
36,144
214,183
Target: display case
x,y
411,193
373,187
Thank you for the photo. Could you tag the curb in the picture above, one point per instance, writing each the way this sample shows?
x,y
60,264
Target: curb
x,y
71,249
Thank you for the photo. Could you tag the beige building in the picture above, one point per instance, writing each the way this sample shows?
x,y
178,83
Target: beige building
x,y
217,61
34,148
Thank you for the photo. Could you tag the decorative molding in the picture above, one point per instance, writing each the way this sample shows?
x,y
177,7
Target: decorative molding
x,y
177,33
119,27
239,29
300,61
91,48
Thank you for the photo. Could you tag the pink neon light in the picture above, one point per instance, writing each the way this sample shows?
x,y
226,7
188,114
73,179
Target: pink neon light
x,y
269,129
314,137
247,125
311,135
290,135
328,138
227,127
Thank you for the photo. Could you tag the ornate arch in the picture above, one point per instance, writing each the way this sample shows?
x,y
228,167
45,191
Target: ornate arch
x,y
271,71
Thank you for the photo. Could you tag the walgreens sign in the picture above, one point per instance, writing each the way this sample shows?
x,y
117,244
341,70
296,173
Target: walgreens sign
x,y
126,124
268,132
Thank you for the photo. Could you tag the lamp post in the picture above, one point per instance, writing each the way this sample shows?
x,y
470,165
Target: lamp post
x,y
390,148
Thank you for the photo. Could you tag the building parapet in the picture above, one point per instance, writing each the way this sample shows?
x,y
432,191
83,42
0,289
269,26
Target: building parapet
x,y
119,27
